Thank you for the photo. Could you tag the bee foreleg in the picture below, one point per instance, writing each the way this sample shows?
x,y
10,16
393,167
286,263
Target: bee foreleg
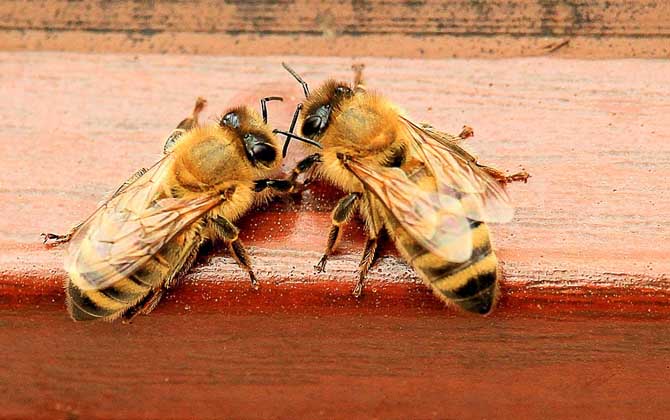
x,y
364,266
340,215
503,179
200,104
277,185
303,166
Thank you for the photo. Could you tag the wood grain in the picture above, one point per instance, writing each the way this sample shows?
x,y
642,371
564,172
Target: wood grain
x,y
204,362
430,28
590,232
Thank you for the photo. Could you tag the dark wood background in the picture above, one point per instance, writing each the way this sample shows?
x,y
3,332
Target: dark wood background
x,y
415,28
582,327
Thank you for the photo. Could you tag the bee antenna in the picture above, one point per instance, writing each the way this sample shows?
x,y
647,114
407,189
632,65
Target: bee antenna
x,y
264,107
297,137
305,88
290,130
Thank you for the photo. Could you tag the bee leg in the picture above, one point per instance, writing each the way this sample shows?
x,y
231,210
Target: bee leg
x,y
229,233
264,107
358,75
242,258
152,302
55,238
364,266
185,125
276,185
333,236
466,132
200,104
145,307
340,215
305,166
503,179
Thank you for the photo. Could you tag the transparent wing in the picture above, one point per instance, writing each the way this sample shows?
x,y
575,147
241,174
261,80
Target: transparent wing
x,y
434,220
457,174
129,229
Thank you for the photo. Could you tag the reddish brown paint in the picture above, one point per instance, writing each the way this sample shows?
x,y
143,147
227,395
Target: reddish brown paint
x,y
266,363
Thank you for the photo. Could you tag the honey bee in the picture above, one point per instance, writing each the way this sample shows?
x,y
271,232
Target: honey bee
x,y
137,244
416,183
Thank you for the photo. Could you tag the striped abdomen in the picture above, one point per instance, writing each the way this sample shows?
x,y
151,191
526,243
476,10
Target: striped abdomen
x,y
472,285
130,293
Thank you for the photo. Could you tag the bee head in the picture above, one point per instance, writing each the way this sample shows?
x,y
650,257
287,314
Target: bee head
x,y
254,137
321,106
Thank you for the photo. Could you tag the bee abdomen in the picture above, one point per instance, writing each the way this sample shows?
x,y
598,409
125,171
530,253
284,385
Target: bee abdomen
x,y
472,285
108,303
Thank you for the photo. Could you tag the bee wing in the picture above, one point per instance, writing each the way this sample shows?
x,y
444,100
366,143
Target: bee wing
x,y
129,229
457,174
435,220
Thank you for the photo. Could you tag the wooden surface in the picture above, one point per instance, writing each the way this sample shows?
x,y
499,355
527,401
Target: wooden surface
x,y
582,328
427,28
590,227
349,364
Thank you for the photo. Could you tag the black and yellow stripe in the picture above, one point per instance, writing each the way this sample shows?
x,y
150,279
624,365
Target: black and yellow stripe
x,y
472,285
125,295
108,303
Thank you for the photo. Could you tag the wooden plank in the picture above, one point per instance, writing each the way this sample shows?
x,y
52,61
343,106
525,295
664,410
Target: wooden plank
x,y
205,362
431,28
76,125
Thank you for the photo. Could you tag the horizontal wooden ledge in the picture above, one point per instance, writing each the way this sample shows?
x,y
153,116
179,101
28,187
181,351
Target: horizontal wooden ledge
x,y
590,230
290,284
370,45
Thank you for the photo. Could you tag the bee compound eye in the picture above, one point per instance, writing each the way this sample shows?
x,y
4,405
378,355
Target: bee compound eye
x,y
231,119
312,125
263,152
